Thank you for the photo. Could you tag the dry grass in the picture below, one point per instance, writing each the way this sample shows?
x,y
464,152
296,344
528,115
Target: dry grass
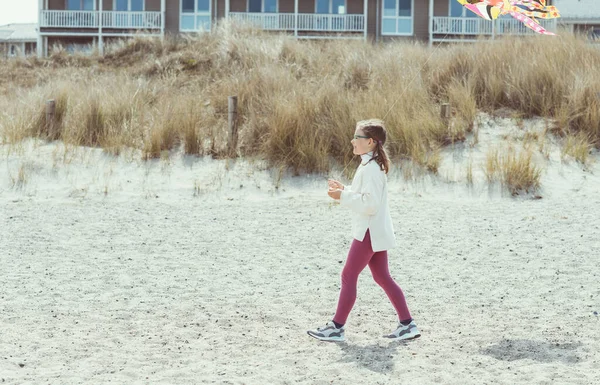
x,y
298,101
578,147
514,170
469,175
21,177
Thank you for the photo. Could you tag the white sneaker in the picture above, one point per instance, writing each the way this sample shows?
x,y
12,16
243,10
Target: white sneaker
x,y
328,333
405,332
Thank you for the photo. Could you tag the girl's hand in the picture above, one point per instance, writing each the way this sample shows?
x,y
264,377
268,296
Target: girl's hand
x,y
334,193
334,184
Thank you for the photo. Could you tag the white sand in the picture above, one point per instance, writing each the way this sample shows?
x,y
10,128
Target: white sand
x,y
117,271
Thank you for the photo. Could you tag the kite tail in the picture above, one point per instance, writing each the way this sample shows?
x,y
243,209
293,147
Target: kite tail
x,y
531,24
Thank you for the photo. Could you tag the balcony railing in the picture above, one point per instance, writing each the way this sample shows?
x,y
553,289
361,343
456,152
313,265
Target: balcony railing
x,y
110,19
69,19
306,21
330,22
462,26
478,26
515,27
131,20
266,21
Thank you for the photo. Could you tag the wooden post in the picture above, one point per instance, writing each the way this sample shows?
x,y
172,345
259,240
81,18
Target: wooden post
x,y
445,113
50,111
233,134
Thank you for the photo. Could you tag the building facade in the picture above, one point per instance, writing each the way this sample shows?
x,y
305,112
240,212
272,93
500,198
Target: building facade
x,y
18,40
580,16
86,23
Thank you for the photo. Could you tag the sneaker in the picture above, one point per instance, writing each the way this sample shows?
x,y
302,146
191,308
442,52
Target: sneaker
x,y
328,333
405,332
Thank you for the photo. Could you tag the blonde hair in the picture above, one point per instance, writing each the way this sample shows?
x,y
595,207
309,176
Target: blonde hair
x,y
375,129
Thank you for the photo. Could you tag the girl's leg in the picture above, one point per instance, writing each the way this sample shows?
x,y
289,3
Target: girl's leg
x,y
358,257
381,274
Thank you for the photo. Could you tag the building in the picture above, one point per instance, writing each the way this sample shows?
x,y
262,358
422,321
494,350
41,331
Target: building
x,y
18,40
85,23
580,16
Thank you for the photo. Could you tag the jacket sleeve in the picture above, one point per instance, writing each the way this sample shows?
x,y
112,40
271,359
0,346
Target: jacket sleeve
x,y
368,200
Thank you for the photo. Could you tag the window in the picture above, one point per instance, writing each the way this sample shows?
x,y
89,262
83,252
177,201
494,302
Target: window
x,y
258,6
457,10
13,50
81,19
124,16
330,7
195,15
80,5
336,7
128,5
397,17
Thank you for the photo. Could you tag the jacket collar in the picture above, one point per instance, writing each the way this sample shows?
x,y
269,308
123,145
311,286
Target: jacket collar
x,y
365,158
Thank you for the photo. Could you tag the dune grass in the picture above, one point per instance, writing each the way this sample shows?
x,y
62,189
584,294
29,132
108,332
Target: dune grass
x,y
298,101
514,170
578,147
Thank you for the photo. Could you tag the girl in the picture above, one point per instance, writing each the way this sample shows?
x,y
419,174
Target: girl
x,y
372,230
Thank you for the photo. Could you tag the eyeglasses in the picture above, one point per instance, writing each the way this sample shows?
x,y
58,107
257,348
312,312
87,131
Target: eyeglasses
x,y
361,136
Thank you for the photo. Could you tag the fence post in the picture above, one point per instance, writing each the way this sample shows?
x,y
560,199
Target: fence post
x,y
233,134
445,113
50,113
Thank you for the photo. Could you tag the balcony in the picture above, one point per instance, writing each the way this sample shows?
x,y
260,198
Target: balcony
x,y
480,27
110,19
307,22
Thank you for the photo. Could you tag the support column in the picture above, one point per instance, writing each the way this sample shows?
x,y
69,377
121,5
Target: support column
x,y
430,23
39,45
162,18
296,18
40,42
227,9
377,22
366,16
100,20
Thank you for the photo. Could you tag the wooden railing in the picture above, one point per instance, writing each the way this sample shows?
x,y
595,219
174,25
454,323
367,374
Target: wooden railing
x,y
306,21
110,19
478,26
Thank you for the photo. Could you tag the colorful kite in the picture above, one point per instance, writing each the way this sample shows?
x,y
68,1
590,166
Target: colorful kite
x,y
525,11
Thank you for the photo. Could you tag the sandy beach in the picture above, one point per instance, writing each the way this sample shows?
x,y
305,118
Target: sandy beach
x,y
196,292
203,271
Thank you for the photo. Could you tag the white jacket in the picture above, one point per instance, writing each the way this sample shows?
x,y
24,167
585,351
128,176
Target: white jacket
x,y
367,198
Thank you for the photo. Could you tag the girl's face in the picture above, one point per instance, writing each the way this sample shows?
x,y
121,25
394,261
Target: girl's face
x,y
361,144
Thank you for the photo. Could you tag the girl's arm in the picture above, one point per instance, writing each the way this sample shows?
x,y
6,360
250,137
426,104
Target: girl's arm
x,y
369,200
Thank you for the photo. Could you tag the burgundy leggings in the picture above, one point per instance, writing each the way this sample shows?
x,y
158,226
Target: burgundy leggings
x,y
360,255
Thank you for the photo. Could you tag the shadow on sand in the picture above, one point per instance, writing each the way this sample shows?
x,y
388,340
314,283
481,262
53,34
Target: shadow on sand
x,y
378,357
541,351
